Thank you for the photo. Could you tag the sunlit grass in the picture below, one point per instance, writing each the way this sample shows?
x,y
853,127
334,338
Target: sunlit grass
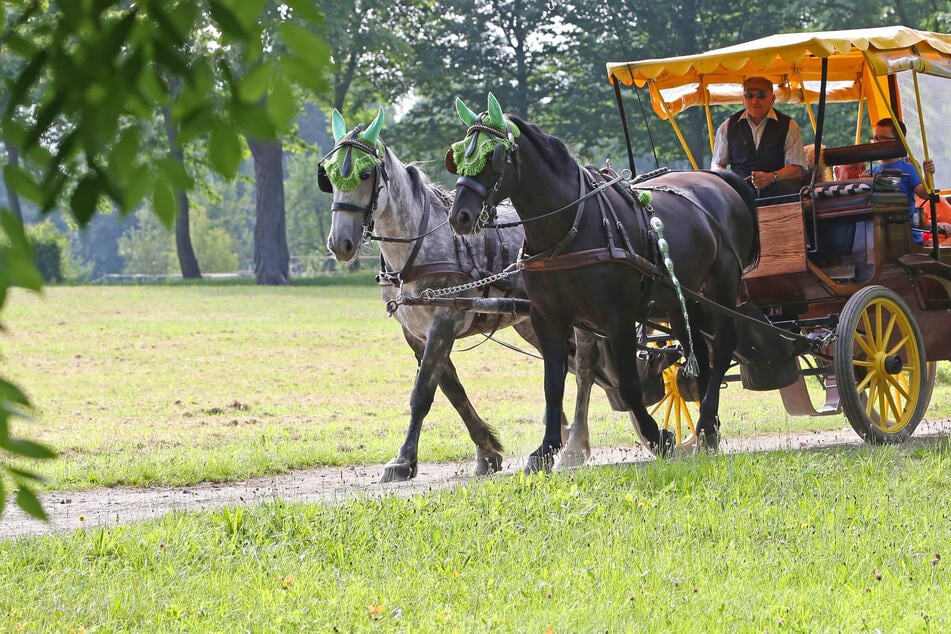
x,y
173,384
833,541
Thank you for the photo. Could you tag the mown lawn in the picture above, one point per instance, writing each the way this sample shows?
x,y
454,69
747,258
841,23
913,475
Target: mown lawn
x,y
176,384
847,540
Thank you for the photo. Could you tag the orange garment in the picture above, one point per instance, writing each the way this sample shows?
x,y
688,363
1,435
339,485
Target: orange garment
x,y
942,210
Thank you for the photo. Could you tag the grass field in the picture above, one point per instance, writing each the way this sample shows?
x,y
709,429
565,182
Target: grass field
x,y
176,384
831,541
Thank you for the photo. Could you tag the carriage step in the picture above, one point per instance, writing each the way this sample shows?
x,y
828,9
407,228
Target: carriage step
x,y
920,263
840,273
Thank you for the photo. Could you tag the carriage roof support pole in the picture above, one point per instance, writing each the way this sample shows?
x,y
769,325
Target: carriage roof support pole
x,y
673,123
858,122
804,97
817,154
929,178
709,112
627,133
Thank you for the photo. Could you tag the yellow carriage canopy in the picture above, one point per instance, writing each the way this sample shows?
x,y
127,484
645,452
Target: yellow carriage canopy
x,y
793,62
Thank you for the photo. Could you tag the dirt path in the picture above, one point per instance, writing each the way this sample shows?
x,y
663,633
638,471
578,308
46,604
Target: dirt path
x,y
108,507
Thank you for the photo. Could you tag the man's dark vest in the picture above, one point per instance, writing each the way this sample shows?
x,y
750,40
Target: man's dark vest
x,y
771,155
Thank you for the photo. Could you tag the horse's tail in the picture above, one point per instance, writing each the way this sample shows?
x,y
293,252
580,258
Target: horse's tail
x,y
749,200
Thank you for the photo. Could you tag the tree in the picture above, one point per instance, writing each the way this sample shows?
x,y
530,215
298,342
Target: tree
x,y
99,69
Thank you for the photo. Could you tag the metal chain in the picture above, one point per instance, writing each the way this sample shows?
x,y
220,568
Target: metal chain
x,y
430,293
508,271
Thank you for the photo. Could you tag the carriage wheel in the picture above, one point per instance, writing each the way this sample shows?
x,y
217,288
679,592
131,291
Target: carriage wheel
x,y
880,366
674,412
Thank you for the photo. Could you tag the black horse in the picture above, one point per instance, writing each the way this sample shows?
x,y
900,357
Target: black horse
x,y
596,257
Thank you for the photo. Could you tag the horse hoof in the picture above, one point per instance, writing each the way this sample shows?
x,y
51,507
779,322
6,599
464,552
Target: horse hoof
x,y
569,460
398,472
543,463
487,465
666,446
708,441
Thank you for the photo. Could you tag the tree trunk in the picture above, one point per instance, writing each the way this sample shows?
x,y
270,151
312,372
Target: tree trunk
x,y
13,199
183,239
271,257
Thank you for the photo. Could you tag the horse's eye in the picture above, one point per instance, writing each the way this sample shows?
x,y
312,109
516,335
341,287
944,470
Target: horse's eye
x,y
364,175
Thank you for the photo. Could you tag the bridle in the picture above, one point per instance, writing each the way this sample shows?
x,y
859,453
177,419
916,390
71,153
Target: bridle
x,y
504,154
380,179
347,144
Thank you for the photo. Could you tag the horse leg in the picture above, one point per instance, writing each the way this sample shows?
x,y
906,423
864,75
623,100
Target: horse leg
x,y
622,340
488,446
553,339
724,343
577,447
432,360
525,330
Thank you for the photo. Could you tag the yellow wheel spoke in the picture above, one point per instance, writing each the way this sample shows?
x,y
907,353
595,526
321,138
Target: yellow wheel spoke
x,y
888,331
864,382
868,346
900,387
893,407
898,346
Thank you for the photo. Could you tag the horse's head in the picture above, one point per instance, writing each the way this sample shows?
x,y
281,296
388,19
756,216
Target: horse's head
x,y
486,162
352,172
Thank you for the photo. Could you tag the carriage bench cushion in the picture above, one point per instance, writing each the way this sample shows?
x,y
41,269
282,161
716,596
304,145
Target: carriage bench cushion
x,y
855,197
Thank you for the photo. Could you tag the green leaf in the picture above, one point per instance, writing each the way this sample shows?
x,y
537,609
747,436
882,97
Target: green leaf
x,y
174,172
11,393
29,449
248,12
17,255
23,183
227,20
84,199
224,150
306,10
281,103
28,501
137,186
304,45
252,121
163,201
124,155
304,74
254,84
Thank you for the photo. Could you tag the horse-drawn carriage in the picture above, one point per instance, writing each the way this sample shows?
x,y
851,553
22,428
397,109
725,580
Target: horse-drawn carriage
x,y
840,266
679,276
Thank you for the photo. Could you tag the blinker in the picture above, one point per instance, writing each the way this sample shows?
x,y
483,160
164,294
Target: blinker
x,y
450,163
323,180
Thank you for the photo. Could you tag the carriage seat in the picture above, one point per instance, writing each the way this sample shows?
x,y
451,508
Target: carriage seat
x,y
860,196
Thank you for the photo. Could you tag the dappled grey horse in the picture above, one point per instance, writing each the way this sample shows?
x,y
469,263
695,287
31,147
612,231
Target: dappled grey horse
x,y
377,197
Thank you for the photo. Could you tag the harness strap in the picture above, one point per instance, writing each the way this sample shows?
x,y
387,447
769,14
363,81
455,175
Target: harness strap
x,y
723,234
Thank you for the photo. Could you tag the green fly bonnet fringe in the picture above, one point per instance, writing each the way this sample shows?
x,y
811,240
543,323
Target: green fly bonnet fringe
x,y
344,166
485,132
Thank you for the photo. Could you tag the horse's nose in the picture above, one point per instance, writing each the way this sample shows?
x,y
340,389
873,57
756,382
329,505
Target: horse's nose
x,y
462,221
344,250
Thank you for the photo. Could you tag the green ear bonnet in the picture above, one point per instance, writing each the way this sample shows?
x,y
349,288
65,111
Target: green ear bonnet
x,y
344,165
486,131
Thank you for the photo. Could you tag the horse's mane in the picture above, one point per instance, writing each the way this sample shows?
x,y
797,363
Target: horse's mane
x,y
419,183
556,151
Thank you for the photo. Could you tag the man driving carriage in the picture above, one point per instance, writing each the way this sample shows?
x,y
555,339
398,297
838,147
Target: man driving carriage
x,y
761,144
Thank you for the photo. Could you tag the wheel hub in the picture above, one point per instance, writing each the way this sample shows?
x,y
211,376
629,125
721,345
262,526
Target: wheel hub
x,y
893,364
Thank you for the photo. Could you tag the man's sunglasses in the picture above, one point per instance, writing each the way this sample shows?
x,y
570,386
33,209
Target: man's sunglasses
x,y
884,138
759,94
